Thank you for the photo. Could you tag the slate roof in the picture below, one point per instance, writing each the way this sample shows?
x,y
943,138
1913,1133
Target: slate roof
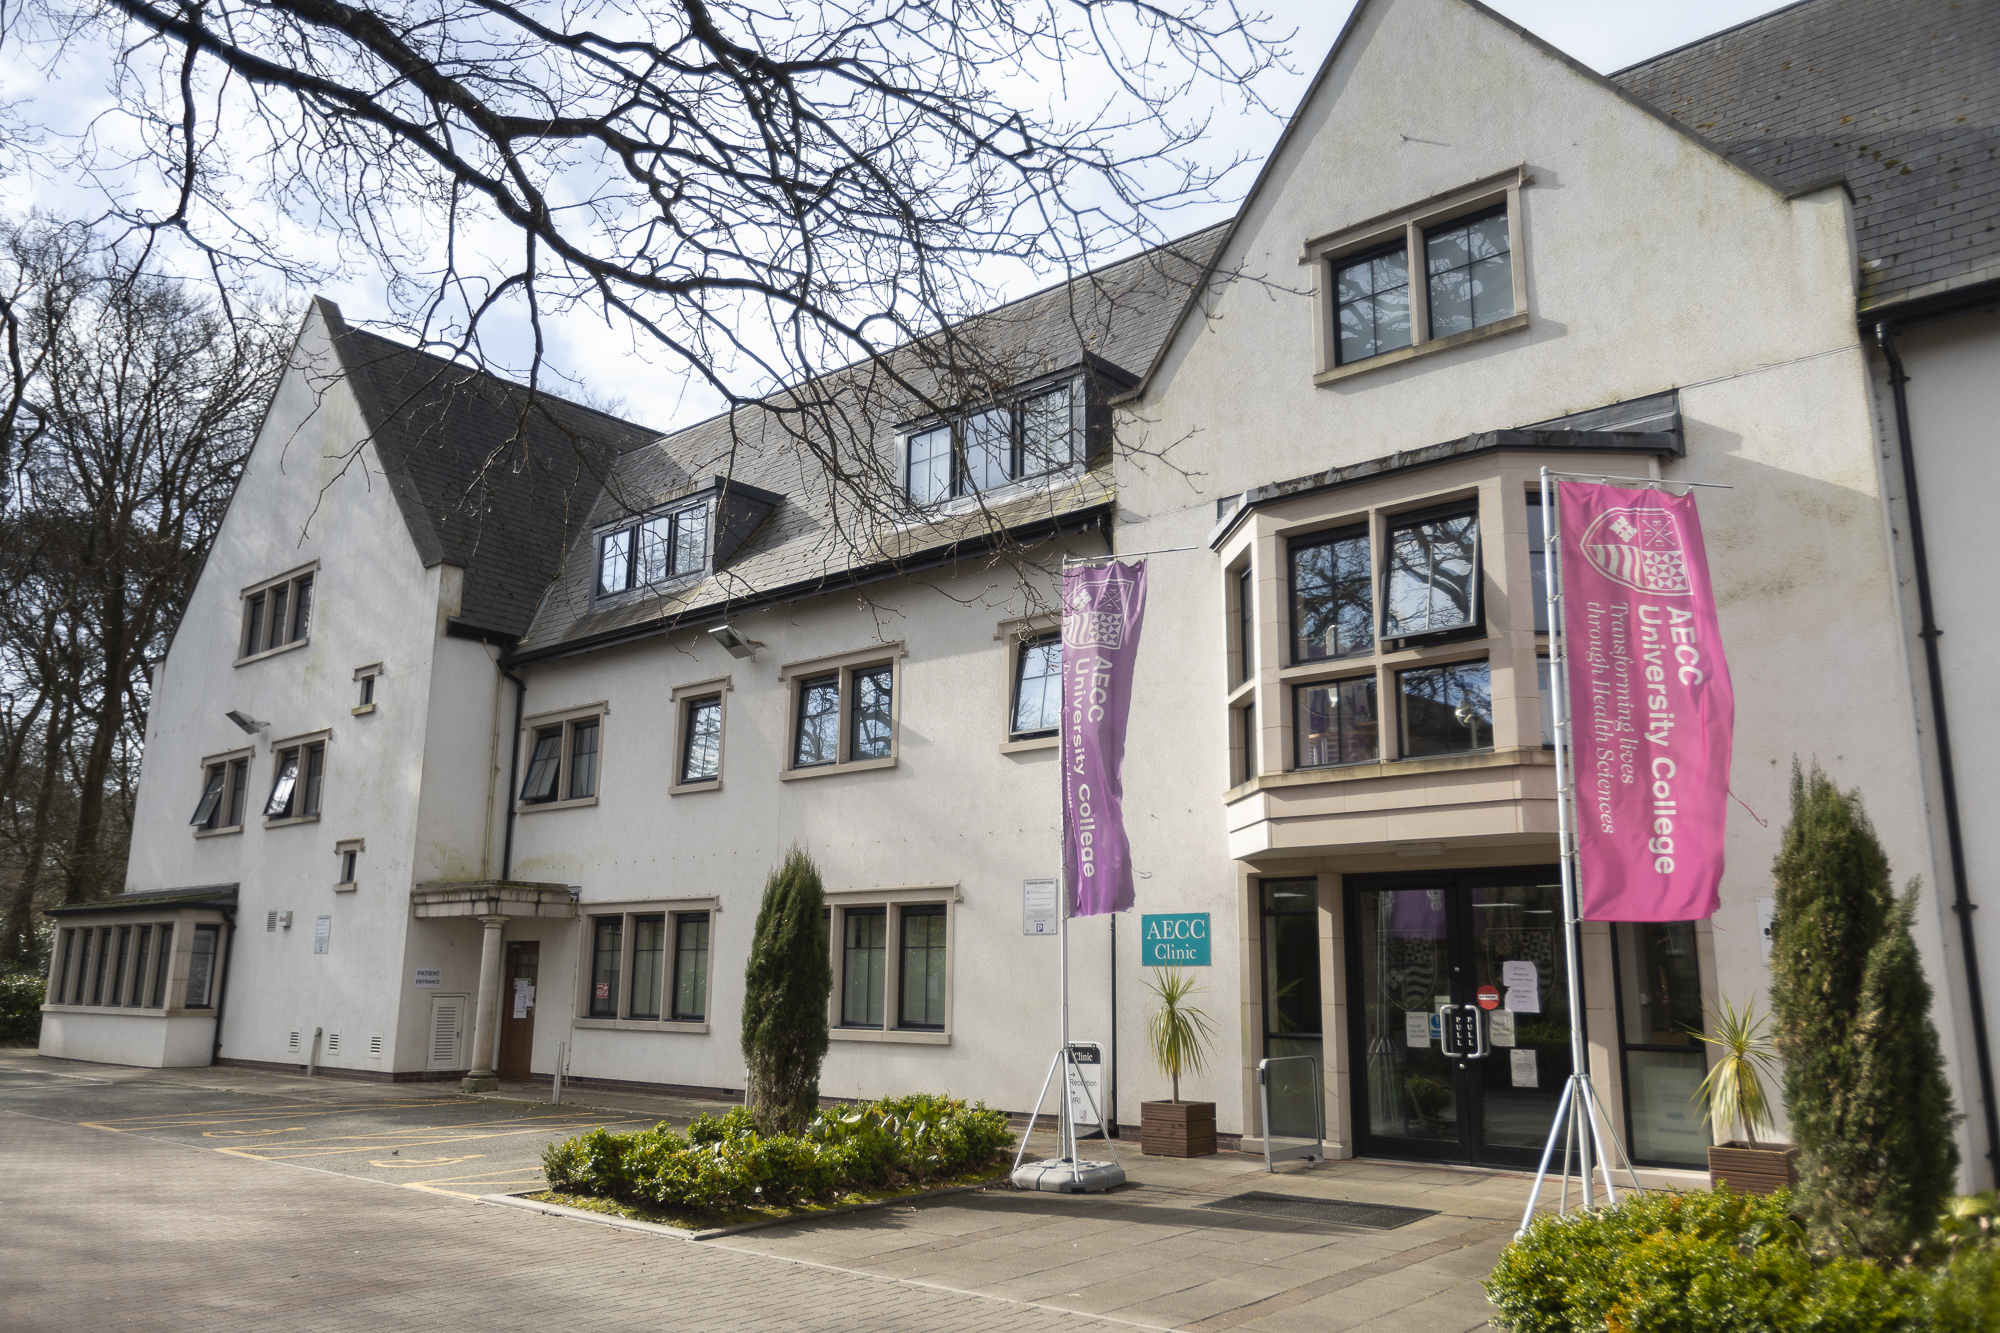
x,y
1899,97
821,536
488,477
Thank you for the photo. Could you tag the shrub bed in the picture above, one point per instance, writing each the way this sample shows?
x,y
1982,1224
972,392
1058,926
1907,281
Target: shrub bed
x,y
21,996
1720,1262
721,1162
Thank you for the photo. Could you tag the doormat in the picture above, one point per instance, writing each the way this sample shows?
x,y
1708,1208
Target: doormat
x,y
1341,1212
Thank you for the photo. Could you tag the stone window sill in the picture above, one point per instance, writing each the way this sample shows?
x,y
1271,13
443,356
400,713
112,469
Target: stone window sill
x,y
891,1034
687,788
828,770
1034,743
640,1025
287,823
524,808
273,652
1402,354
362,710
217,832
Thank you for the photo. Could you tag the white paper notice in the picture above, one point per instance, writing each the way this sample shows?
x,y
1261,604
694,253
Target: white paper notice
x,y
1517,973
1500,1028
322,931
428,977
520,1004
1523,1000
1523,1063
1417,1029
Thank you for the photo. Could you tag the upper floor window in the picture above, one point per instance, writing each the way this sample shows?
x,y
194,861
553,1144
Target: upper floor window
x,y
562,759
1420,280
1433,573
1333,595
1037,707
277,614
984,450
843,712
295,791
225,791
655,550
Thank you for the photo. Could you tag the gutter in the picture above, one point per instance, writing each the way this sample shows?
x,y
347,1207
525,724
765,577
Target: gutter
x,y
1962,905
513,771
1094,518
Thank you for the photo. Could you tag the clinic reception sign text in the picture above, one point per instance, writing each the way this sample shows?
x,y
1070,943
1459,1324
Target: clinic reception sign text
x,y
1175,939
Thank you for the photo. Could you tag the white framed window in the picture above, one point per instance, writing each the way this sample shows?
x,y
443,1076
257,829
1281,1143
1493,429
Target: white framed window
x,y
298,780
984,449
699,714
844,712
366,684
225,791
563,755
654,550
646,965
892,955
1444,272
277,614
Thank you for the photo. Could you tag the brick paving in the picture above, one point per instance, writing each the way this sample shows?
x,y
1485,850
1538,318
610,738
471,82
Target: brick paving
x,y
116,1231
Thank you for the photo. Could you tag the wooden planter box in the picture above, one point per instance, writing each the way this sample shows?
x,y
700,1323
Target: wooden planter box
x,y
1177,1129
1753,1170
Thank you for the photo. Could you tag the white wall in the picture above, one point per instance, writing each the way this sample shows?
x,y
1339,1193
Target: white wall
x,y
307,494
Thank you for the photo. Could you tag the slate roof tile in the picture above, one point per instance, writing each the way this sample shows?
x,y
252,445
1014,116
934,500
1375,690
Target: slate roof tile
x,y
1902,98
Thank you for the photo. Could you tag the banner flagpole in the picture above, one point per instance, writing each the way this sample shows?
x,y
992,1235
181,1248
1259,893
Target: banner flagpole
x,y
1578,1109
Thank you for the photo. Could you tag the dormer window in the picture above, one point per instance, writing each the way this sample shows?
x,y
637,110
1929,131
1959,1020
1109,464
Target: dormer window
x,y
982,451
653,551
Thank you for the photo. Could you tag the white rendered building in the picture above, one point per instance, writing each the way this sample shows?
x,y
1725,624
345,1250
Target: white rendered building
x,y
533,797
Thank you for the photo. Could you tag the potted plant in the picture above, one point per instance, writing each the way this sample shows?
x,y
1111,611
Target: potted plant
x,y
1733,1094
1180,1038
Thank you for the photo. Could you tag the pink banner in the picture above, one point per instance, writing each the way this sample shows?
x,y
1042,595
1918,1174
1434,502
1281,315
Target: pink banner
x,y
1650,703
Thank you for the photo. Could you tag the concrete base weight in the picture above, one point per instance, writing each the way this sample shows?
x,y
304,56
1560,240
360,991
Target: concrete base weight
x,y
1078,1177
479,1083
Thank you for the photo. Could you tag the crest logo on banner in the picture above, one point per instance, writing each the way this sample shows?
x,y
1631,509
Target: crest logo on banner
x,y
1651,707
1641,549
1102,611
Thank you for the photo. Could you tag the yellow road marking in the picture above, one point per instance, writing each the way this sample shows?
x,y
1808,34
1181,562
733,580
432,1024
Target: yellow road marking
x,y
416,1162
229,1133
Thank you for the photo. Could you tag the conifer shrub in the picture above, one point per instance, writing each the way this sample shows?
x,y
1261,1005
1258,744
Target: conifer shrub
x,y
1865,1090
786,985
724,1162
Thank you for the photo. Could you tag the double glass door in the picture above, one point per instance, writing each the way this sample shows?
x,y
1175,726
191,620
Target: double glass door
x,y
1462,1013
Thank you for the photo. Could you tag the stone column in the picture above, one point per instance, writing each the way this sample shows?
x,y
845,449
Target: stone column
x,y
487,1021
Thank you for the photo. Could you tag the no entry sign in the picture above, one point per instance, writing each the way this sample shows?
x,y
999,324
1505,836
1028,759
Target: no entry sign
x,y
1489,997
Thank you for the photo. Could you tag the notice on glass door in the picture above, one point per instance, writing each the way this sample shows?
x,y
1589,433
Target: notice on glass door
x,y
1519,972
1417,1029
1523,1000
1500,1028
1523,1065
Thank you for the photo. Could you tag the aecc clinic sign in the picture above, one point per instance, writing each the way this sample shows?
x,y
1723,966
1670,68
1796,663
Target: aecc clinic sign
x,y
1177,939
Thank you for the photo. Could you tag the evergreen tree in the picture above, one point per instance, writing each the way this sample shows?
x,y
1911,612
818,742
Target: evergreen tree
x,y
785,991
1864,1088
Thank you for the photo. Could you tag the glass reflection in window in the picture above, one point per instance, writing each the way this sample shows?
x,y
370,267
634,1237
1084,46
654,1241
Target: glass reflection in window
x,y
1333,600
1446,709
819,722
1471,273
1433,582
1372,304
1336,722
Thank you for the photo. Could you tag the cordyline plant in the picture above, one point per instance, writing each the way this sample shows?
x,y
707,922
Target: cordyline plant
x,y
1177,1033
1734,1093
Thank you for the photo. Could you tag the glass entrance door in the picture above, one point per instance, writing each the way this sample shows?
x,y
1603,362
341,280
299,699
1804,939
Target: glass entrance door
x,y
1483,948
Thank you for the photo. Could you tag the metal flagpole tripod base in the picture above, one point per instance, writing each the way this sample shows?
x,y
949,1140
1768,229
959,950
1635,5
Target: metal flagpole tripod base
x,y
1068,1173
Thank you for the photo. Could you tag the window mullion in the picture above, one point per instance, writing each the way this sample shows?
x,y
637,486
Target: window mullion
x,y
1420,287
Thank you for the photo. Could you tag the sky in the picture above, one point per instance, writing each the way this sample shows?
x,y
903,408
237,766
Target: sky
x,y
1605,35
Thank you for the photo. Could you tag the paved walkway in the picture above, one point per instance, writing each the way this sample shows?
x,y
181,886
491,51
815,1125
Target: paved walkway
x,y
144,1198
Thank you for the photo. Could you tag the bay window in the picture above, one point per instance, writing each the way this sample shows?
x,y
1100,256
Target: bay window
x,y
1333,595
1334,722
1446,709
1432,583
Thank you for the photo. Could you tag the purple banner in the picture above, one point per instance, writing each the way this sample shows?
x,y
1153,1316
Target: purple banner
x,y
1102,608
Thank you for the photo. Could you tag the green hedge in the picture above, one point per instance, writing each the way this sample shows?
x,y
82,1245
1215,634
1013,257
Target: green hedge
x,y
721,1162
1719,1262
21,996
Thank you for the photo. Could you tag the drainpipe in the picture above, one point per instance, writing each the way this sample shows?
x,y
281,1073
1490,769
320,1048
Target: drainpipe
x,y
222,991
513,772
1962,905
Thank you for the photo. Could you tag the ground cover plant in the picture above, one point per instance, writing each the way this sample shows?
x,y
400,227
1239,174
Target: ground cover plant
x,y
1720,1262
722,1164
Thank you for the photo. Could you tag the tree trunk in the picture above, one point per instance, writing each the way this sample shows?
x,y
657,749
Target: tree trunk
x,y
16,937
